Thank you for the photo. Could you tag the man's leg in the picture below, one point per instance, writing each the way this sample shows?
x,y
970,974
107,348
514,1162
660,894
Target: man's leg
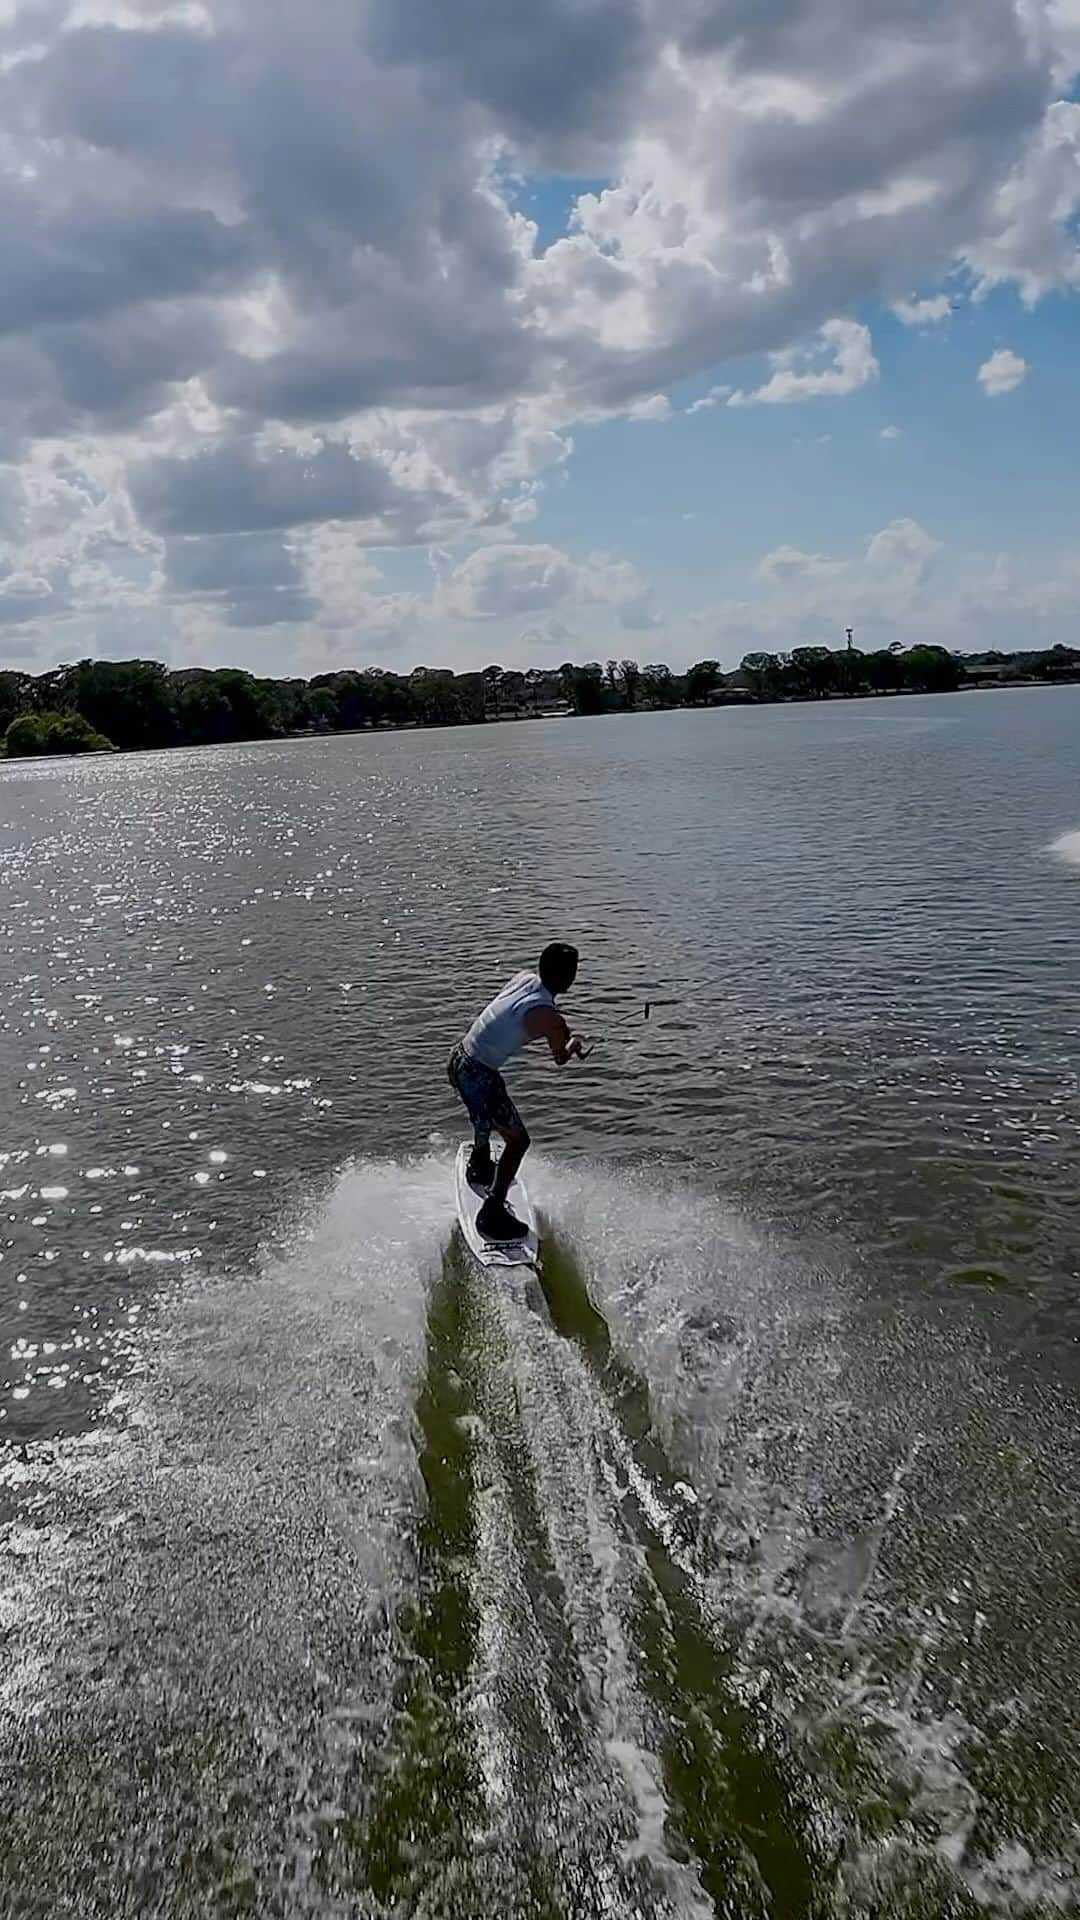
x,y
481,1169
494,1217
510,1159
469,1085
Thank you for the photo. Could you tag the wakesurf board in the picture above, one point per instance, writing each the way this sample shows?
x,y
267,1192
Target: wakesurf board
x,y
494,1253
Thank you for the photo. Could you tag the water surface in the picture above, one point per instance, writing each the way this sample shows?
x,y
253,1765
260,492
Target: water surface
x,y
731,1567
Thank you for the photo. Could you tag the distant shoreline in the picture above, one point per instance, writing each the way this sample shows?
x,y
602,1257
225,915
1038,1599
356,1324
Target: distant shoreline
x,y
128,706
746,705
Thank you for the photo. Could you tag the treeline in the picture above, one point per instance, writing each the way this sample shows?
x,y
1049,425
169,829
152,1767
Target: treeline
x,y
822,673
96,705
139,703
806,673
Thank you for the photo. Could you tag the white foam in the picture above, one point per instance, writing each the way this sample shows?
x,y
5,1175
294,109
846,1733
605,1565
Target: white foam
x,y
1013,1881
275,1456
1067,848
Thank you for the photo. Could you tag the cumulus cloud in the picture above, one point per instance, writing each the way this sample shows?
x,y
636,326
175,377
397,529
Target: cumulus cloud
x,y
1027,237
888,591
251,580
891,433
715,397
656,408
923,313
853,366
234,487
900,556
502,581
256,283
788,566
542,637
902,587
1004,371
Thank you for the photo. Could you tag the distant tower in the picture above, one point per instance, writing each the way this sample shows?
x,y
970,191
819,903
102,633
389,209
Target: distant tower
x,y
850,631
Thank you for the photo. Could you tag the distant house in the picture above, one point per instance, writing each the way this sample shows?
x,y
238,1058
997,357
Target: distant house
x,y
730,693
1057,663
731,689
989,669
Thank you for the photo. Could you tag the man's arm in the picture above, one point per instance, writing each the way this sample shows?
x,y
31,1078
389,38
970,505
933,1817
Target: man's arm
x,y
547,1023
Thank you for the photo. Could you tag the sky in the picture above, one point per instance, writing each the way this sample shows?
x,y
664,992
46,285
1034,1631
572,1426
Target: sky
x,y
397,333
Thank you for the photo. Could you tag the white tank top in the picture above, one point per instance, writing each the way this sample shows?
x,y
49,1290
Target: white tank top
x,y
499,1031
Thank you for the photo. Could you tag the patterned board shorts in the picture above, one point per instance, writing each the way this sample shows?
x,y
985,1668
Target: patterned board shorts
x,y
484,1094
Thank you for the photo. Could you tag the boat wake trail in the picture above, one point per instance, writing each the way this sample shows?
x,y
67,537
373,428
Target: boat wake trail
x,y
413,1589
609,1748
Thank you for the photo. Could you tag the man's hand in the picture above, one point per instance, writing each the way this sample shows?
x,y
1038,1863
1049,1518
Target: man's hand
x,y
547,1023
568,1047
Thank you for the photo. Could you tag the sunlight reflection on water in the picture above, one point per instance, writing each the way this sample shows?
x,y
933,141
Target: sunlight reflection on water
x,y
818,1230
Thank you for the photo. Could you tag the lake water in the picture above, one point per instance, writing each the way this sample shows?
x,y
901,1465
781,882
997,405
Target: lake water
x,y
733,1567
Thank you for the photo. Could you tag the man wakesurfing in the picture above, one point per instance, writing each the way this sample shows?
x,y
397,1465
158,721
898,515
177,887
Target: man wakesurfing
x,y
524,1011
